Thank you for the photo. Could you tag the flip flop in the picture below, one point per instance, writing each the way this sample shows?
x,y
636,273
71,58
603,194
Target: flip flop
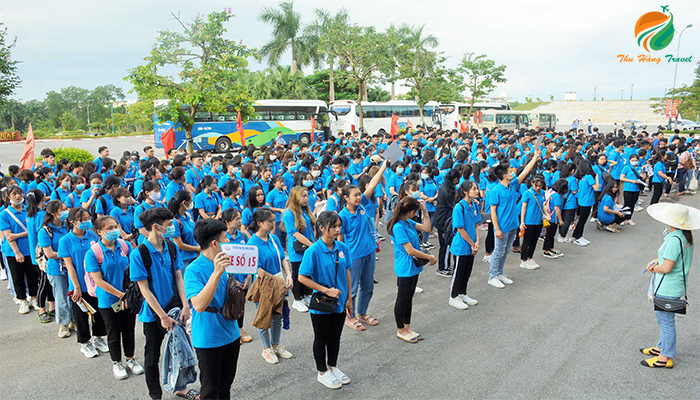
x,y
355,325
651,351
369,320
655,363
189,395
407,338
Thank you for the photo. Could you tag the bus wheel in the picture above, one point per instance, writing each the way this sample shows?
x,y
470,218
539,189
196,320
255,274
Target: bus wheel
x,y
223,145
305,139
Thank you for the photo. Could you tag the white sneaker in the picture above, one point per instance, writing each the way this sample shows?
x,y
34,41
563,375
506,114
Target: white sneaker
x,y
594,219
34,303
586,241
631,223
419,289
24,307
339,375
527,265
88,350
495,282
134,366
300,306
638,209
561,239
329,380
468,300
532,261
580,242
457,303
100,344
119,371
270,356
63,331
306,300
281,352
3,274
487,258
504,279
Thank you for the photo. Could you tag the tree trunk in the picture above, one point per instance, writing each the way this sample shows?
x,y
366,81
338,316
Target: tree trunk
x,y
331,82
422,117
359,105
294,66
364,91
393,90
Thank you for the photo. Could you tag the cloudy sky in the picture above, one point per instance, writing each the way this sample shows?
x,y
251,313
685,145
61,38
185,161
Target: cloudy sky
x,y
549,47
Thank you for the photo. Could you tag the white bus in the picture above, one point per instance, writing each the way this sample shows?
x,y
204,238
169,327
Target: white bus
x,y
504,119
542,120
377,116
452,113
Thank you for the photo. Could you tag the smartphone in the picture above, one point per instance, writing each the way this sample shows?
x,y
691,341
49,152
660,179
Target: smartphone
x,y
117,306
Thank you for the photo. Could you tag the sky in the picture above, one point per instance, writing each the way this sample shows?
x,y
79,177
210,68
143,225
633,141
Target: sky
x,y
549,47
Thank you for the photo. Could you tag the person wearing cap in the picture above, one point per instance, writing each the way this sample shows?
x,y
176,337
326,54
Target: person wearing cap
x,y
670,273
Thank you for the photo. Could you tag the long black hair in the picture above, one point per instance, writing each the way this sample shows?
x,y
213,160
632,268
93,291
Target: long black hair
x,y
34,198
177,199
406,205
326,219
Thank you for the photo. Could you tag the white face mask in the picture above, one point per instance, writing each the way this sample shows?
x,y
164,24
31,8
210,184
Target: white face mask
x,y
316,174
255,172
155,196
273,157
190,206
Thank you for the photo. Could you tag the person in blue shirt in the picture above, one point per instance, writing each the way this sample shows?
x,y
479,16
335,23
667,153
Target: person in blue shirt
x,y
232,193
608,217
570,205
232,219
72,248
123,212
299,223
181,206
466,216
99,161
35,221
404,233
215,339
104,199
73,198
615,159
195,174
428,192
177,183
89,194
63,188
271,260
109,279
45,180
15,248
255,199
503,203
208,201
357,234
162,288
659,176
556,203
149,198
531,221
288,176
248,176
630,177
334,202
325,268
277,199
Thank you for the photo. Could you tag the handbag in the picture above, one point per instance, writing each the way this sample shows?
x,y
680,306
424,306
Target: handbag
x,y
234,302
322,302
677,306
299,247
545,220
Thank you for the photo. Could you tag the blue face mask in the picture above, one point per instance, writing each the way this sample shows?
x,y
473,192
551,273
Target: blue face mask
x,y
112,235
80,187
308,183
65,185
63,216
85,225
170,233
220,168
415,195
399,170
453,151
99,185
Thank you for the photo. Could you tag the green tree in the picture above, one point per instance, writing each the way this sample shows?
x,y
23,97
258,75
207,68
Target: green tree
x,y
210,67
320,32
69,121
688,97
8,67
481,75
410,50
12,113
286,35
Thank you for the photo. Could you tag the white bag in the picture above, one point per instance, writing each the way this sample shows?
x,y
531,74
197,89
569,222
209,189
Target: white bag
x,y
693,185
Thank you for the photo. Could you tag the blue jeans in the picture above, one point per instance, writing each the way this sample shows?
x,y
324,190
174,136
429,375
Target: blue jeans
x,y
500,251
271,337
362,280
64,310
667,335
426,235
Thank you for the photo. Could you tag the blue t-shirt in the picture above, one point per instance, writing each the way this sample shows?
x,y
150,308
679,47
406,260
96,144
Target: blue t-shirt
x,y
114,264
358,234
535,206
616,169
33,226
659,167
124,218
570,198
605,217
405,232
73,247
184,229
9,223
60,194
163,282
108,203
170,190
332,204
629,174
319,264
206,202
555,200
505,199
586,194
465,216
429,189
53,266
270,253
289,224
277,199
73,199
193,176
209,329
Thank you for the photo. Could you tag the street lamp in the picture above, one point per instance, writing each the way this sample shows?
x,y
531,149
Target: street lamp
x,y
678,55
622,94
595,91
111,109
631,90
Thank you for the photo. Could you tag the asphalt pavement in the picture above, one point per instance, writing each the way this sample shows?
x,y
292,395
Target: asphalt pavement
x,y
570,330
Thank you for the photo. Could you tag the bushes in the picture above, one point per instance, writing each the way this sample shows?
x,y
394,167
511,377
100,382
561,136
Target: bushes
x,y
72,153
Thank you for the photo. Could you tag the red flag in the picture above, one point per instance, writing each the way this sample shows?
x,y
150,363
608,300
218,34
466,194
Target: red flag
x,y
313,126
409,125
394,125
167,139
463,127
239,126
27,160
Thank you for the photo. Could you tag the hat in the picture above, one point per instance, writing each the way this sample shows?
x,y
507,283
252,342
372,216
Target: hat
x,y
257,153
675,215
376,159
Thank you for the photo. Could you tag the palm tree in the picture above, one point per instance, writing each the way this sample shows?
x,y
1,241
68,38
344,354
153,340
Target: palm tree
x,y
286,27
321,34
412,41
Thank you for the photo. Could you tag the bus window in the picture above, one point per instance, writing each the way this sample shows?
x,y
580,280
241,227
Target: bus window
x,y
504,119
341,110
413,111
202,117
286,115
487,118
399,111
382,112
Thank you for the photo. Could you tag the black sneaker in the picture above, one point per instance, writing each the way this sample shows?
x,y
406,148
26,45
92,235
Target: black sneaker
x,y
430,246
444,273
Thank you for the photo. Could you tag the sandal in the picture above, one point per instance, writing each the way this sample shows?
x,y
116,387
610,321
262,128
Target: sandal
x,y
44,318
369,320
651,351
355,325
655,363
246,338
189,395
409,338
417,335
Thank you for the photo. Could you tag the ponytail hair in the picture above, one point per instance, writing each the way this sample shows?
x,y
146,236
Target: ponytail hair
x,y
206,181
148,186
406,205
463,190
326,219
688,236
51,208
34,198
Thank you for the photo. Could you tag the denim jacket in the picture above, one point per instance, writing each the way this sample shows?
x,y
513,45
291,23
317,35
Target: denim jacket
x,y
178,359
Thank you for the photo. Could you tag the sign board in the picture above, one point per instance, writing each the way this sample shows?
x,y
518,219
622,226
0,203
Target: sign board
x,y
667,111
243,258
393,152
10,136
478,116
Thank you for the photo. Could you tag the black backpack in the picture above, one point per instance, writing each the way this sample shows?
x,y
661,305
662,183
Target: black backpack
x,y
93,208
132,293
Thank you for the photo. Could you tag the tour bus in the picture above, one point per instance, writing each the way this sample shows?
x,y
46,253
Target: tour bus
x,y
377,116
218,131
452,113
505,119
542,120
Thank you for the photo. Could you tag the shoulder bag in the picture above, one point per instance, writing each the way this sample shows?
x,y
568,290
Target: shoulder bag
x,y
322,302
677,306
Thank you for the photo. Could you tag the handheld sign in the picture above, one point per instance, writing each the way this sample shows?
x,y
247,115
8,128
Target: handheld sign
x,y
243,258
540,139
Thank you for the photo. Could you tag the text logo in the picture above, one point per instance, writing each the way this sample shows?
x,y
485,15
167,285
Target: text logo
x,y
654,30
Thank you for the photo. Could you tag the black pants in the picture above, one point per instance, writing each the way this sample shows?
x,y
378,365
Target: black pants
x,y
151,357
45,290
82,320
120,332
630,201
299,290
532,233
327,331
460,278
217,368
583,213
404,300
549,237
20,271
443,254
568,217
667,185
490,241
597,201
657,187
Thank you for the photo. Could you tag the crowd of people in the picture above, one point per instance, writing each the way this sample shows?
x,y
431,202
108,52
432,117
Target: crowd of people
x,y
76,234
